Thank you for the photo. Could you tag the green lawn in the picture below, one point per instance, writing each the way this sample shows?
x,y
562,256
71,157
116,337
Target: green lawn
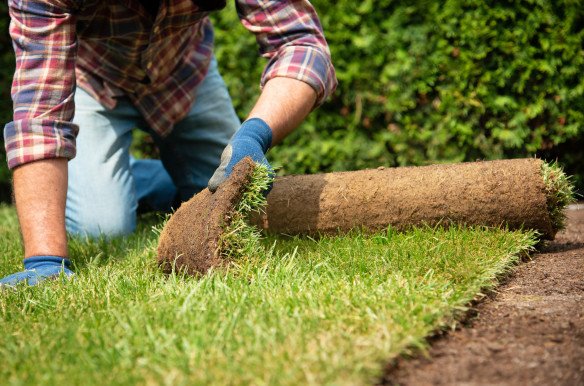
x,y
326,312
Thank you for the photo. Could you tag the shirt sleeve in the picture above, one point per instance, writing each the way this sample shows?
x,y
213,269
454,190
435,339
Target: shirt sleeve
x,y
290,35
44,40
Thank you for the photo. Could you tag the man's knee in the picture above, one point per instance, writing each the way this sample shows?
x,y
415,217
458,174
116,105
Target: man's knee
x,y
96,222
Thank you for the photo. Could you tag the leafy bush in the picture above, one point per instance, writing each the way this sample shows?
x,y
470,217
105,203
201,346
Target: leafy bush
x,y
424,82
6,71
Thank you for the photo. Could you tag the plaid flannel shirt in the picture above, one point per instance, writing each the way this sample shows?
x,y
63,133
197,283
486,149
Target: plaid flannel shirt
x,y
113,48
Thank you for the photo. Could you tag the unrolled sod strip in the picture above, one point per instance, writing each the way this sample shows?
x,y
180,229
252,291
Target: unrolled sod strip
x,y
514,193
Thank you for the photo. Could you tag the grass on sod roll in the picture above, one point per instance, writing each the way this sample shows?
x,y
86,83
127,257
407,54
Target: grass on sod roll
x,y
559,192
303,312
239,238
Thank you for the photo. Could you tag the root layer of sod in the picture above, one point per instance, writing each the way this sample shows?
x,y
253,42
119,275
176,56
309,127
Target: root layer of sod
x,y
331,311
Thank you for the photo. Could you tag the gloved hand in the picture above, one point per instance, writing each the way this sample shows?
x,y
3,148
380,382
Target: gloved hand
x,y
253,139
37,269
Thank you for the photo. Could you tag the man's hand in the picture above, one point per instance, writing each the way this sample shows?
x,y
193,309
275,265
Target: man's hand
x,y
253,139
37,269
282,105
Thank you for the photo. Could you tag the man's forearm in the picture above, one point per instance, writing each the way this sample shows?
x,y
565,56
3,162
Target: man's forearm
x,y
283,104
40,191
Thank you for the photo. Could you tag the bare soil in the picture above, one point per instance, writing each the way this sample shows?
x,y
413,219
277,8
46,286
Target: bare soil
x,y
190,239
530,332
474,193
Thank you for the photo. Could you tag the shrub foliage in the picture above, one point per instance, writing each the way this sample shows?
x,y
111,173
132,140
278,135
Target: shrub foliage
x,y
6,70
423,82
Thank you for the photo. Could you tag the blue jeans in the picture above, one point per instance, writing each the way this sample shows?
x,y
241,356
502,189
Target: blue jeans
x,y
106,183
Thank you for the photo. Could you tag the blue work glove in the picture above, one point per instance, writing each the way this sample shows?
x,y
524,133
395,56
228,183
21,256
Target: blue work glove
x,y
253,139
37,269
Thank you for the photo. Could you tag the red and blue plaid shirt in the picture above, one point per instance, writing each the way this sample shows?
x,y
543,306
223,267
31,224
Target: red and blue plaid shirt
x,y
112,48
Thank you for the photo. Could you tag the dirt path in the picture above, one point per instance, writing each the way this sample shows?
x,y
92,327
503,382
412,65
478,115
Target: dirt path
x,y
531,332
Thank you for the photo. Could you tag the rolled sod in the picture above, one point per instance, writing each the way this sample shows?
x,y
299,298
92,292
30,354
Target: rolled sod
x,y
212,228
520,193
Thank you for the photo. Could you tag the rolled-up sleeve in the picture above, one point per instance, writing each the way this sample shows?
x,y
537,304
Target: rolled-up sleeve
x,y
290,35
43,86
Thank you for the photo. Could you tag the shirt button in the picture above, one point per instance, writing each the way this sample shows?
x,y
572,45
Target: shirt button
x,y
156,29
149,65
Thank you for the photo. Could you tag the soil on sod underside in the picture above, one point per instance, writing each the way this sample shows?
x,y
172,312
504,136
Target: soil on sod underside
x,y
488,193
190,238
530,332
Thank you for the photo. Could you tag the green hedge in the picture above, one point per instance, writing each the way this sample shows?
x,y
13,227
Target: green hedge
x,y
6,71
424,82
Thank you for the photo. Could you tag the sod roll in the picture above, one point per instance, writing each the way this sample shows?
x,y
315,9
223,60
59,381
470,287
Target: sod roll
x,y
492,193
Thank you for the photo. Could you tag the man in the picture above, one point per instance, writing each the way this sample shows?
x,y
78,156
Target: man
x,y
88,71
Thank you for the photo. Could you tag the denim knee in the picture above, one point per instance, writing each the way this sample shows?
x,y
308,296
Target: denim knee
x,y
96,221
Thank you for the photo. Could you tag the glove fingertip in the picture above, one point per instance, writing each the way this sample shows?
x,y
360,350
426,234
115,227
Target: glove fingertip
x,y
213,185
217,179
